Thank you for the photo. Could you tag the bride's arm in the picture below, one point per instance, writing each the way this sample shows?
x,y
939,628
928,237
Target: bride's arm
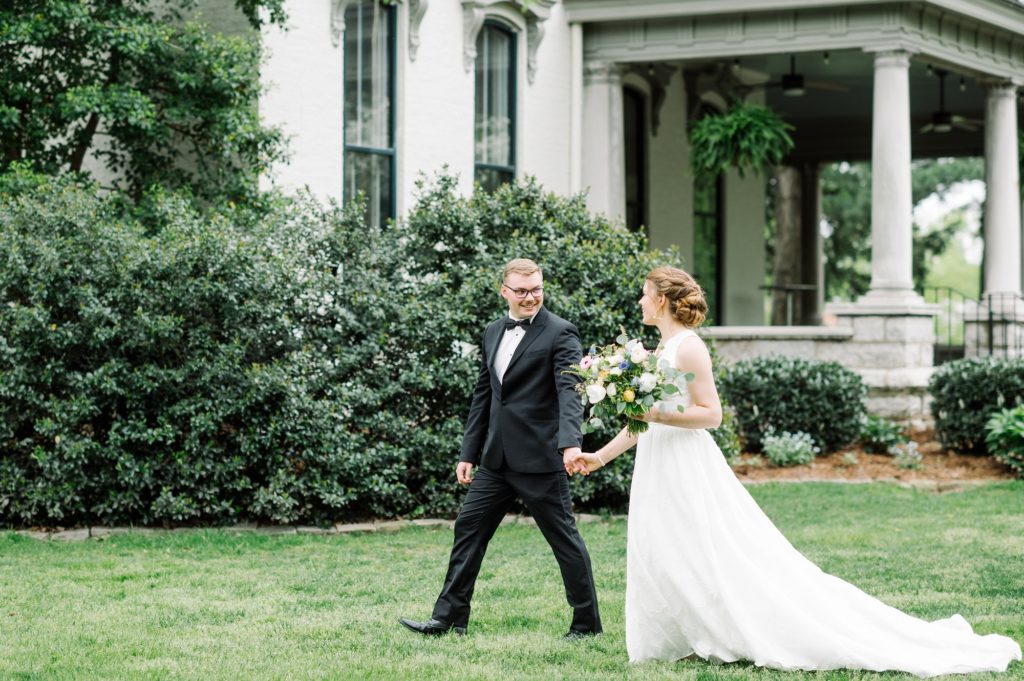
x,y
602,457
692,356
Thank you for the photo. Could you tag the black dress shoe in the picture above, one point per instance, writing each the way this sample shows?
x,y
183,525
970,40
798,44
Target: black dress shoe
x,y
574,635
432,627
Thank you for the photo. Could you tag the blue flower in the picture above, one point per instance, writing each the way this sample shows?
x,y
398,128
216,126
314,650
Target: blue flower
x,y
625,364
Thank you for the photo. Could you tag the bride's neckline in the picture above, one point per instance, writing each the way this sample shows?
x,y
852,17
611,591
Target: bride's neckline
x,y
663,343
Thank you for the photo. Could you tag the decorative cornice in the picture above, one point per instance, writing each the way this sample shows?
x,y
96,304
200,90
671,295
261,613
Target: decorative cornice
x,y
338,8
474,12
417,9
916,27
472,22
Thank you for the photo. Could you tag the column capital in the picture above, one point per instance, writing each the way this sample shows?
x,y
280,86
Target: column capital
x,y
602,72
998,87
892,58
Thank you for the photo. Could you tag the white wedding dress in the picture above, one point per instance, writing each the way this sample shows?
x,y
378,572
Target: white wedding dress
x,y
708,573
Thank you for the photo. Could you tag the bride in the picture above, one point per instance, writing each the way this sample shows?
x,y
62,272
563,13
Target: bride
x,y
707,572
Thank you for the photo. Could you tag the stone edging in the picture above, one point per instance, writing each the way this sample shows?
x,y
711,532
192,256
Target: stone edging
x,y
100,533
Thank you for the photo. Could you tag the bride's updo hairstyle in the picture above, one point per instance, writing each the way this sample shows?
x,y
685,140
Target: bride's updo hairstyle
x,y
686,301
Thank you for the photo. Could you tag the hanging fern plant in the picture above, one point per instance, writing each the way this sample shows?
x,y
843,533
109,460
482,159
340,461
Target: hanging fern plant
x,y
749,137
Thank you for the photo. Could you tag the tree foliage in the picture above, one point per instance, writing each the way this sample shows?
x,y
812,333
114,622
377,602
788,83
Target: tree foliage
x,y
846,208
152,94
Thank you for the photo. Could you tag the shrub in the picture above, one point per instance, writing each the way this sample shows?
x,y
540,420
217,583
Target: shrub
x,y
823,399
878,435
1005,438
289,364
907,456
967,393
194,375
725,435
789,449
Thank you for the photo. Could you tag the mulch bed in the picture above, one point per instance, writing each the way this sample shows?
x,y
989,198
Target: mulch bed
x,y
938,465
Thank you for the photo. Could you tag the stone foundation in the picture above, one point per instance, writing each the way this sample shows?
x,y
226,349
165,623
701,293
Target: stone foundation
x,y
890,347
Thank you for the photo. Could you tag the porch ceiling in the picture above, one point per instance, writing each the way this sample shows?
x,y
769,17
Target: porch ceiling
x,y
972,40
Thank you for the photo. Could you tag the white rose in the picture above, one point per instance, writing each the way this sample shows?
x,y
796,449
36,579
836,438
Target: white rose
x,y
615,371
639,355
647,382
596,393
633,345
611,390
615,360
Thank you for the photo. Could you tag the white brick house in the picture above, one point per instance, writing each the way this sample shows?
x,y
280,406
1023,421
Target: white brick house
x,y
595,96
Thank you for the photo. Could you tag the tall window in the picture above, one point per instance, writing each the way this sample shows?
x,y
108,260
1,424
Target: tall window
x,y
707,244
495,106
635,139
369,113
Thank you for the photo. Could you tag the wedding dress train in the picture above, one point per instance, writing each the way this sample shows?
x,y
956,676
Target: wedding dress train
x,y
708,573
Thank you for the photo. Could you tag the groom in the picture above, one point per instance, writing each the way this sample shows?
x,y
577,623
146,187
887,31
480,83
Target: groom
x,y
522,435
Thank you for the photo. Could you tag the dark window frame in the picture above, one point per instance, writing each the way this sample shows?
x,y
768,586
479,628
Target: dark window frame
x,y
718,218
513,93
391,152
640,99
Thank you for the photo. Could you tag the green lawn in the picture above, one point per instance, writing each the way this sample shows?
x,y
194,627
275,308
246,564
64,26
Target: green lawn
x,y
208,604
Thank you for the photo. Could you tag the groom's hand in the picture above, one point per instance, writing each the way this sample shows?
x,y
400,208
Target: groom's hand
x,y
571,462
464,472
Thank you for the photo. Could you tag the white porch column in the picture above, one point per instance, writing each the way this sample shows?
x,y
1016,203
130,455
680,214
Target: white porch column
x,y
893,337
1002,192
576,106
603,158
891,198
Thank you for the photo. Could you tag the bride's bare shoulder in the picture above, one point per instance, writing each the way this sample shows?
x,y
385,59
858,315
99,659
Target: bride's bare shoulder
x,y
692,353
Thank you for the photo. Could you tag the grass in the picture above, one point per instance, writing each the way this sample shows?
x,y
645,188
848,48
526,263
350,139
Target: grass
x,y
209,604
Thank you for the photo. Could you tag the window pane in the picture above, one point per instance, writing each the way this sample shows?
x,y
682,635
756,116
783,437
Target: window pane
x,y
492,178
634,140
369,174
368,75
706,255
495,75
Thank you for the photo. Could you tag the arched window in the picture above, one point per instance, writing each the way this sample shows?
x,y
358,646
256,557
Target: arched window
x,y
635,151
495,106
369,108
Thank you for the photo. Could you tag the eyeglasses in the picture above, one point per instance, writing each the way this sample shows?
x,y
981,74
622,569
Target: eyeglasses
x,y
521,293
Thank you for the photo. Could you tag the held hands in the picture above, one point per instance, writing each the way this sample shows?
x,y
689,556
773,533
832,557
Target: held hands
x,y
583,463
569,460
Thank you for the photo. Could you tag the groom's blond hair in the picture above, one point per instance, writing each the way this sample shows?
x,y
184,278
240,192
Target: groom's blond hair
x,y
523,266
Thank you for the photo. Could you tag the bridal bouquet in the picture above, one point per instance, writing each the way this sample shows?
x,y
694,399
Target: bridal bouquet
x,y
624,380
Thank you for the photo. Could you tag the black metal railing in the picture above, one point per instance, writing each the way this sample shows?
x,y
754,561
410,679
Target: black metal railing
x,y
992,325
997,325
950,328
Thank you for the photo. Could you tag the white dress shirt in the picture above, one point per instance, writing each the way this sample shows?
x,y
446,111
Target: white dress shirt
x,y
507,348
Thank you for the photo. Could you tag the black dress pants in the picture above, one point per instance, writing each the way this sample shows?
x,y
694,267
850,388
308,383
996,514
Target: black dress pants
x,y
490,496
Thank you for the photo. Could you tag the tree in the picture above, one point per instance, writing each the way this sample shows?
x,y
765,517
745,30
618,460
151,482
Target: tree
x,y
846,210
156,96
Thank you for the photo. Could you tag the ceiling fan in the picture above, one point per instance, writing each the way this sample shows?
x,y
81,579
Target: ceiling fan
x,y
944,121
794,84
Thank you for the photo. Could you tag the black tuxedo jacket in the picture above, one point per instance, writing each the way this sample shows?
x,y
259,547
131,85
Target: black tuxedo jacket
x,y
535,412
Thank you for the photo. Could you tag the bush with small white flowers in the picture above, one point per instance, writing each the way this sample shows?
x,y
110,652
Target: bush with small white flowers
x,y
789,449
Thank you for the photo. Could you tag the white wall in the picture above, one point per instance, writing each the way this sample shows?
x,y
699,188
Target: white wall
x,y
303,78
671,181
743,260
546,115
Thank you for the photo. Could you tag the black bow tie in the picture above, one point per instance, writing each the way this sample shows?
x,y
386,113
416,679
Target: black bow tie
x,y
512,323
